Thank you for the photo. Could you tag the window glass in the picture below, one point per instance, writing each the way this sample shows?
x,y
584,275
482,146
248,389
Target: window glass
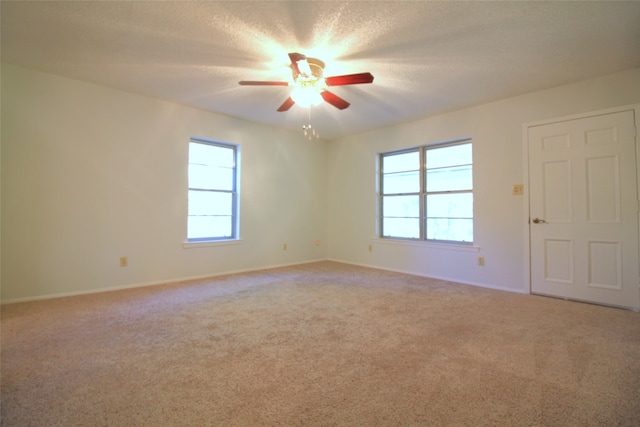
x,y
211,155
450,205
448,229
213,194
204,227
430,201
408,228
401,162
448,155
401,182
450,179
211,177
210,203
402,206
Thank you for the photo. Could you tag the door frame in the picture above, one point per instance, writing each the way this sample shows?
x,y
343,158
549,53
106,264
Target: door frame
x,y
526,218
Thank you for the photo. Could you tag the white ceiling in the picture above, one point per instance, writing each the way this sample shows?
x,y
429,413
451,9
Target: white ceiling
x,y
427,57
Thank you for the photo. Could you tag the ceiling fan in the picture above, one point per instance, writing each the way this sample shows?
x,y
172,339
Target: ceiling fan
x,y
309,87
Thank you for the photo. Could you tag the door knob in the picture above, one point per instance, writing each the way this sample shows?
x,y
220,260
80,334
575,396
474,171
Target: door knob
x,y
538,221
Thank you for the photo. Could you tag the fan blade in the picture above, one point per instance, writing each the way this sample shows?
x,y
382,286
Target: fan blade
x,y
349,79
261,83
286,104
334,100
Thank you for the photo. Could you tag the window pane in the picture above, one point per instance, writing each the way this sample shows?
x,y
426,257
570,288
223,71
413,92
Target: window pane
x,y
401,162
459,230
450,155
450,179
210,177
212,190
199,227
405,182
211,155
436,190
401,206
401,227
210,203
456,205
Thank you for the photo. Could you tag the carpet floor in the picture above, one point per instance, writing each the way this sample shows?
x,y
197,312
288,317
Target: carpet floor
x,y
321,344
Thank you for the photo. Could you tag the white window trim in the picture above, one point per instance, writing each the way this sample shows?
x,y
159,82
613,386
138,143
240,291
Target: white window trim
x,y
422,240
236,215
430,244
211,243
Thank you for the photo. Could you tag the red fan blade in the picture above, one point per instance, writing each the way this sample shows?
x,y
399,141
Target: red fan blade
x,y
261,83
286,104
334,100
349,79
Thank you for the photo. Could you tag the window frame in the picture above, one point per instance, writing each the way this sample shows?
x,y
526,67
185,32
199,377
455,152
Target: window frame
x,y
422,194
234,191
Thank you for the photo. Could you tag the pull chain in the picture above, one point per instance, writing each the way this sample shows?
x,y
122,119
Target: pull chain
x,y
308,131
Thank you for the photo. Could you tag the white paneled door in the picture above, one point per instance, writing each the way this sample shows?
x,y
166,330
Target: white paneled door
x,y
584,209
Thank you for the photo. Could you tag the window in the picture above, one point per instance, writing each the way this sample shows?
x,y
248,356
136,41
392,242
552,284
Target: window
x,y
213,193
426,193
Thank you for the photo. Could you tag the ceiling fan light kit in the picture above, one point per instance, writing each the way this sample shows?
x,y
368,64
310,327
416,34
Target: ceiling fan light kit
x,y
309,85
308,93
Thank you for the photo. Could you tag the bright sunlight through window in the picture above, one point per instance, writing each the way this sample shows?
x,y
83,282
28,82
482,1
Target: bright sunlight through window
x,y
213,197
426,193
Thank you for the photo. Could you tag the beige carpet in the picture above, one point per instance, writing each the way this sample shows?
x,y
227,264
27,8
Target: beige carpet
x,y
323,344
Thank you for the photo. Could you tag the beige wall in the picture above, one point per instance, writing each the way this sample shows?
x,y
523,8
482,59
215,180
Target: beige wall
x,y
500,218
90,174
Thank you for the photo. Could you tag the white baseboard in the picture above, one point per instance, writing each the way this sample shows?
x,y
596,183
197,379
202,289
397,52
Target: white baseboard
x,y
247,270
154,283
448,279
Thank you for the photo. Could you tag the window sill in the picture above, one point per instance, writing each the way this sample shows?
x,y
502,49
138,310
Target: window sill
x,y
211,243
459,247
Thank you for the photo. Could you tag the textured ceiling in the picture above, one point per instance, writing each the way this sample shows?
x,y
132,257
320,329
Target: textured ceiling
x,y
427,57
